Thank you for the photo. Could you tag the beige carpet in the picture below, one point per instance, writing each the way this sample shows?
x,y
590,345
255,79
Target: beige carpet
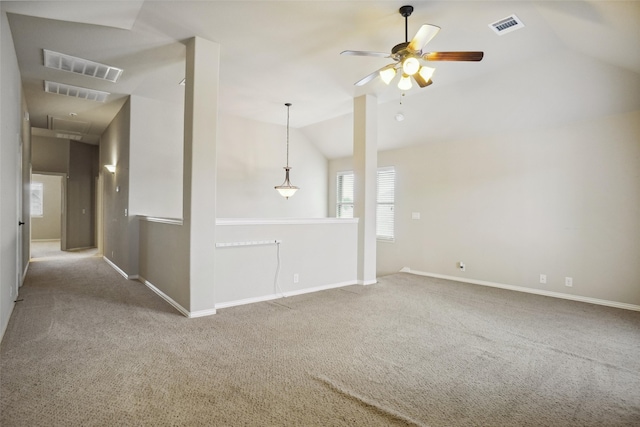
x,y
86,347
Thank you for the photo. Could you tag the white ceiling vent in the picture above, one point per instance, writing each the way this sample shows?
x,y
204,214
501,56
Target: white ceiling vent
x,y
69,136
60,61
75,91
506,25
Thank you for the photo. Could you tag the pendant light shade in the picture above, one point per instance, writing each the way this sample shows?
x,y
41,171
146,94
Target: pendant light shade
x,y
387,74
410,66
405,82
285,189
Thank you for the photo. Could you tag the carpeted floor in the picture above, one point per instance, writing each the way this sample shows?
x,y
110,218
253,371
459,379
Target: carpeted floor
x,y
87,347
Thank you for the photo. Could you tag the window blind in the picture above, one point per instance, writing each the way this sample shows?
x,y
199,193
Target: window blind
x,y
385,200
385,203
344,205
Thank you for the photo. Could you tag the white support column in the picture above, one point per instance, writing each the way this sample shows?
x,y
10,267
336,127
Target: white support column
x,y
365,165
199,199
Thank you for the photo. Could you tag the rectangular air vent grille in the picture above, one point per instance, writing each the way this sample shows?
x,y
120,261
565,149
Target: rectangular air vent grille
x,y
75,91
69,136
506,25
60,61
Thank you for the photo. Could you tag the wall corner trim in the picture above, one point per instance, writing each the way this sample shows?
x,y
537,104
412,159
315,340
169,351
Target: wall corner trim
x,y
579,298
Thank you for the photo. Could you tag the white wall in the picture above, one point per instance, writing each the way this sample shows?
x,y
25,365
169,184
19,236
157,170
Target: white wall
x,y
251,157
322,252
155,162
562,201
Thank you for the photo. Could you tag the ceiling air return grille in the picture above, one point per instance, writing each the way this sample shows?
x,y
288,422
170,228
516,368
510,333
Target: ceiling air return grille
x,y
69,136
506,25
75,91
60,61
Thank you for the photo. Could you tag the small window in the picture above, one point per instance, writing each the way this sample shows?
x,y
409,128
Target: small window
x,y
385,200
386,195
344,204
37,199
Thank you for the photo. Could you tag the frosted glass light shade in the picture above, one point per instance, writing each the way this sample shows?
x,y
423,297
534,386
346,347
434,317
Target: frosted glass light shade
x,y
410,66
387,74
426,73
405,83
287,192
285,189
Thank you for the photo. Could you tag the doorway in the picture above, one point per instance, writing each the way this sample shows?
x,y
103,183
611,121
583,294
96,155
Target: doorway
x,y
47,209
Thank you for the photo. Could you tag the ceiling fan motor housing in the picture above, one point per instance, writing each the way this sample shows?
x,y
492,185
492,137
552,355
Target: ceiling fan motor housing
x,y
406,11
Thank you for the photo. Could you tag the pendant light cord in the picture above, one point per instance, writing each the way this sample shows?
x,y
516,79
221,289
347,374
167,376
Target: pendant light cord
x,y
288,105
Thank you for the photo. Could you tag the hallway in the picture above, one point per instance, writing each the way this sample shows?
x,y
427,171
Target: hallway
x,y
50,250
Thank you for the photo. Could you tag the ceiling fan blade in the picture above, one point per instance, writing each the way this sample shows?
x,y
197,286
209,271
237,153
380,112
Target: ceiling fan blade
x,y
364,53
421,81
423,36
367,79
453,56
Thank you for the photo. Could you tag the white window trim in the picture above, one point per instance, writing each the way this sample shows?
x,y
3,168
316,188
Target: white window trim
x,y
382,238
388,239
340,203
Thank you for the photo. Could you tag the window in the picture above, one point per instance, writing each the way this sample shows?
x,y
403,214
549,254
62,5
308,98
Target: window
x,y
37,199
385,200
385,206
344,205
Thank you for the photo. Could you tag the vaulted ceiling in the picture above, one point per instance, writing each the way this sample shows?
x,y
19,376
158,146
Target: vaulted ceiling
x,y
572,61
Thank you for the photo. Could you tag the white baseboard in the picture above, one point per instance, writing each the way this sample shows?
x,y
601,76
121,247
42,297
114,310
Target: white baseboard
x,y
24,274
527,290
284,294
366,282
202,313
248,301
119,270
165,297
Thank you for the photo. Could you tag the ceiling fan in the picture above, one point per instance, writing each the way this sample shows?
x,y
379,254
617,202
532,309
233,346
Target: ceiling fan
x,y
407,57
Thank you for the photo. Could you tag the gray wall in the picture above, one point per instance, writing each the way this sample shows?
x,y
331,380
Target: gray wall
x,y
120,230
561,201
49,225
50,155
80,198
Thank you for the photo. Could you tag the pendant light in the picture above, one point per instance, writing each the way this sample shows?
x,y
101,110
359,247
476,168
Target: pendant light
x,y
285,189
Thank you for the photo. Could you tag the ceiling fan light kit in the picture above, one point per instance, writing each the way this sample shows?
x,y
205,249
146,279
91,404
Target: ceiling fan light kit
x,y
405,83
387,74
407,57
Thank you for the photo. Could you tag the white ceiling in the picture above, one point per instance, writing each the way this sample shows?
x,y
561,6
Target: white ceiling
x,y
574,60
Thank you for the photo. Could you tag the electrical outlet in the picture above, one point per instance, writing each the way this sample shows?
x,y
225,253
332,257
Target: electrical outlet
x,y
568,281
296,278
543,278
461,266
